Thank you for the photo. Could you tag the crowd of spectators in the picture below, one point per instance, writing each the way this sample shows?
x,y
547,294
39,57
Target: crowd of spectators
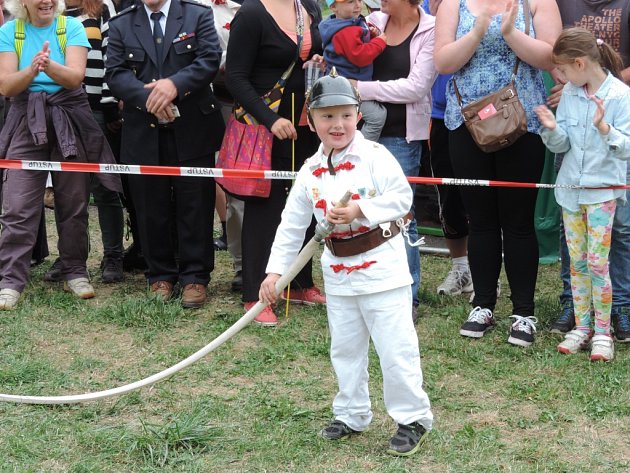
x,y
146,69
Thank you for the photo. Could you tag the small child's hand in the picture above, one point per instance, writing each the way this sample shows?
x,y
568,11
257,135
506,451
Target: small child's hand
x,y
267,292
374,30
598,116
344,215
546,117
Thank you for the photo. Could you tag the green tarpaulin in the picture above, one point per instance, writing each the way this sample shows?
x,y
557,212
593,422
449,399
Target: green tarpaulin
x,y
547,216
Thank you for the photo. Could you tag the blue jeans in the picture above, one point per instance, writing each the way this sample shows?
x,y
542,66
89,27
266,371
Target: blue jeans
x,y
408,156
619,258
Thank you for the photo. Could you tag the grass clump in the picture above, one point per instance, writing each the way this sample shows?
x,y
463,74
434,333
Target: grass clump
x,y
186,434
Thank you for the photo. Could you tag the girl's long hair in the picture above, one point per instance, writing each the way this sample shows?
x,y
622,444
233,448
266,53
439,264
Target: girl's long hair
x,y
579,42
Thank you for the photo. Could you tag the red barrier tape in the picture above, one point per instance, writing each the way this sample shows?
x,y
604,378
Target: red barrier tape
x,y
68,166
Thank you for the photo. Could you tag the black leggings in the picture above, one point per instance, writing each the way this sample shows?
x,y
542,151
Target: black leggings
x,y
500,219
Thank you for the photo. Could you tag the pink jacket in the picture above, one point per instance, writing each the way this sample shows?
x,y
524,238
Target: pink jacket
x,y
415,89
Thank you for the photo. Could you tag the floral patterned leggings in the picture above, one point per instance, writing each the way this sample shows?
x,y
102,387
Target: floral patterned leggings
x,y
588,234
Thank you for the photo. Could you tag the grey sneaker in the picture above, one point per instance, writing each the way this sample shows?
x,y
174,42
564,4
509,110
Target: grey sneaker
x,y
8,299
80,287
457,281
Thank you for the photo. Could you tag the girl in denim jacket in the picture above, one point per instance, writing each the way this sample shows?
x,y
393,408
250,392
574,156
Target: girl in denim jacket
x,y
592,126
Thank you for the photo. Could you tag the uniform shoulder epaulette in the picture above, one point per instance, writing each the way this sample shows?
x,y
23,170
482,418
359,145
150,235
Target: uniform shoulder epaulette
x,y
196,2
133,7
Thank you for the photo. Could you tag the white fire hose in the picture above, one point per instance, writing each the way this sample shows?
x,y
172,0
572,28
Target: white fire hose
x,y
322,230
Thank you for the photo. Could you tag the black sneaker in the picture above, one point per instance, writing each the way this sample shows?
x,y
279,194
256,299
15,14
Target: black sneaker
x,y
337,430
566,322
478,322
112,270
407,440
522,331
621,325
54,273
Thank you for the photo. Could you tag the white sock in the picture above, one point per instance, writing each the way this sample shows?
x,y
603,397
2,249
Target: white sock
x,y
461,263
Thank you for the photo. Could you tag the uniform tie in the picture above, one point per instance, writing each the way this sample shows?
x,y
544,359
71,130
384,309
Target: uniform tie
x,y
158,37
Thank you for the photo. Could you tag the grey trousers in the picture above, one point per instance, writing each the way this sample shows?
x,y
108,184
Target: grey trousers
x,y
22,194
234,226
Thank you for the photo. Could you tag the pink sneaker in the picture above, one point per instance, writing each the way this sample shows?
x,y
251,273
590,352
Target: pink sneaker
x,y
266,318
308,296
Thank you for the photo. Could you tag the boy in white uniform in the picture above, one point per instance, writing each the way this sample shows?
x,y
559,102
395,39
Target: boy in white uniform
x,y
368,292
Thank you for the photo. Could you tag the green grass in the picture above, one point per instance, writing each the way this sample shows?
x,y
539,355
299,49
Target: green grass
x,y
257,403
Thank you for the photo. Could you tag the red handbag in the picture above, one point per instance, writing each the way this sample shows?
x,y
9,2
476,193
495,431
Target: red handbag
x,y
246,143
247,147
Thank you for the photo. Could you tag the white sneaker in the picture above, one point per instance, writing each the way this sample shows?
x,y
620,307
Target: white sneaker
x,y
603,348
472,296
8,299
80,287
574,341
457,280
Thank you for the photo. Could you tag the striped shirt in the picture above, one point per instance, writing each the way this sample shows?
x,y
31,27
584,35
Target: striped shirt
x,y
99,96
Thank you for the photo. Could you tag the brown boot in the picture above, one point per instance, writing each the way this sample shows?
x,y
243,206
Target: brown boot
x,y
163,289
193,296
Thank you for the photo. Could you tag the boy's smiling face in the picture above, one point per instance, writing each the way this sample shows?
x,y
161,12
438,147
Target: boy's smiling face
x,y
336,125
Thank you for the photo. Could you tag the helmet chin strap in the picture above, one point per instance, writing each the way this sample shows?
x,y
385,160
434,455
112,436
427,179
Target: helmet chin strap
x,y
331,168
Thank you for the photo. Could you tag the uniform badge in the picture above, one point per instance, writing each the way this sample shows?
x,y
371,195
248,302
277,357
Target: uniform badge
x,y
315,193
183,36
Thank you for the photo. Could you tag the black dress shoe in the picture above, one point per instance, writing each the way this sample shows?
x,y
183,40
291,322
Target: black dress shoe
x,y
220,244
54,273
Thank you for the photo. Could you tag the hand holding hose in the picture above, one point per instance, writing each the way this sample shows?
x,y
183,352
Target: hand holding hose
x,y
269,290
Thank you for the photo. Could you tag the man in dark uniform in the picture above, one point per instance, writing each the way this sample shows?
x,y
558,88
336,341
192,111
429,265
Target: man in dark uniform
x,y
161,57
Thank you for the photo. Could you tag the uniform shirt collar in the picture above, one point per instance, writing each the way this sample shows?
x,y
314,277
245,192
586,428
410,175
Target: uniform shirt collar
x,y
164,9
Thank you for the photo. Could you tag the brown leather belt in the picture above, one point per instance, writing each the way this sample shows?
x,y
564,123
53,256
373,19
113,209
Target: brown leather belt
x,y
362,243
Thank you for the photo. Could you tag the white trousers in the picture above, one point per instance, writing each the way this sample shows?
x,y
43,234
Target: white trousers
x,y
386,318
